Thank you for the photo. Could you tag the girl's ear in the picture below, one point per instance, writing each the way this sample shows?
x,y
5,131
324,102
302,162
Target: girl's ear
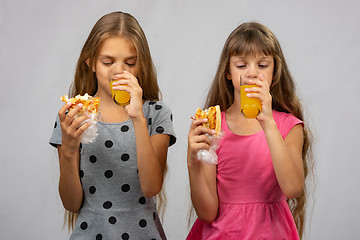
x,y
87,62
228,76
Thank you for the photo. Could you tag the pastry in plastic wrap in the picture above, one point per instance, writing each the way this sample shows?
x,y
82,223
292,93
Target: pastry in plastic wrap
x,y
213,115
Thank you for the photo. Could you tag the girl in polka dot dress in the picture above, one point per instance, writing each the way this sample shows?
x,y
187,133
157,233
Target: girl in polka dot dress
x,y
257,189
109,186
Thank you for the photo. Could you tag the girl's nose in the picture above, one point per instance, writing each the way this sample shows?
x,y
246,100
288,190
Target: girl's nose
x,y
252,72
118,68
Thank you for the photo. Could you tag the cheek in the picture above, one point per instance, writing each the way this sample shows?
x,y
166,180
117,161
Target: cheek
x,y
269,77
135,71
102,72
236,82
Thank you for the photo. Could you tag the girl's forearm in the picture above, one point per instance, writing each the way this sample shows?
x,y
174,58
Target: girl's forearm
x,y
70,188
287,160
203,192
151,165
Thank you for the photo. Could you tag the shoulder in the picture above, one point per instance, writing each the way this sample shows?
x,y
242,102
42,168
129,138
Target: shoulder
x,y
285,122
156,108
160,119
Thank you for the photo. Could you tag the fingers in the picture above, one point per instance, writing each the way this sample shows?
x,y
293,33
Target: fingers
x,y
77,123
198,137
258,92
82,129
125,79
129,83
196,122
71,124
63,111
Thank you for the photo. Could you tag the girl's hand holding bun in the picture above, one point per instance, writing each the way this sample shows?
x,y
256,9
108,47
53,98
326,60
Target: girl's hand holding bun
x,y
71,127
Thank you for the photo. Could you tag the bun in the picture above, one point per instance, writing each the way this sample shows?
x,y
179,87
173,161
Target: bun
x,y
213,114
90,104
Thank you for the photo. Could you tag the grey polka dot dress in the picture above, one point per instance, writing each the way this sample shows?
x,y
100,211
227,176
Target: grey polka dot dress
x,y
114,206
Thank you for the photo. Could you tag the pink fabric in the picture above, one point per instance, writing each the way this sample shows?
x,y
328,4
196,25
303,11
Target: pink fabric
x,y
251,203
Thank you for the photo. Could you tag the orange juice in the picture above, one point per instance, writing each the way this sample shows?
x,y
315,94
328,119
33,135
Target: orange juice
x,y
121,98
250,107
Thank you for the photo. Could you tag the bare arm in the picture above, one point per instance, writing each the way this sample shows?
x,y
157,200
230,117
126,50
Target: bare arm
x,y
151,157
70,188
151,151
202,176
286,155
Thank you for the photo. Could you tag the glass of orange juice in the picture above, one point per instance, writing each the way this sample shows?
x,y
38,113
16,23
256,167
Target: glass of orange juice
x,y
250,106
120,97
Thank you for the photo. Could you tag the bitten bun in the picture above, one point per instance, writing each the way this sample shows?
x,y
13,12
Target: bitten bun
x,y
213,114
90,104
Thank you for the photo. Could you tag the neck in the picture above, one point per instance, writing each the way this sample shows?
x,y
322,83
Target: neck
x,y
110,112
239,124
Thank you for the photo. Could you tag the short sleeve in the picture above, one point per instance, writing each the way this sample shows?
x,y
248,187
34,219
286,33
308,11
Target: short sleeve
x,y
285,122
159,119
56,134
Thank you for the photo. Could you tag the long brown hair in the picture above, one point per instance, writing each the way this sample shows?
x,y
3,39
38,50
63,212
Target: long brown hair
x,y
249,39
112,25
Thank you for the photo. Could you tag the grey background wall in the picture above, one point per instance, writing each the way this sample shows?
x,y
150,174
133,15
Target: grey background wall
x,y
40,42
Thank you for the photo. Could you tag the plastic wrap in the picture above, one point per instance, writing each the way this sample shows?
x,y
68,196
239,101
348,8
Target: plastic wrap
x,y
90,134
210,156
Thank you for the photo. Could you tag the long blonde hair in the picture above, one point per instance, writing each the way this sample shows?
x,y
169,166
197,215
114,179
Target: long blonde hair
x,y
249,39
112,25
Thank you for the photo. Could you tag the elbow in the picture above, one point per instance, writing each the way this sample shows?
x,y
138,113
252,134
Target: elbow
x,y
294,191
70,208
151,190
208,217
71,205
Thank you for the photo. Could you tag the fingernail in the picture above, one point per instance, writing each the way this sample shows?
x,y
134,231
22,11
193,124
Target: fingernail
x,y
80,105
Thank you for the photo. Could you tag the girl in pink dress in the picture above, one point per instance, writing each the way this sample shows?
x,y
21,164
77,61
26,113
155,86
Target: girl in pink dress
x,y
257,189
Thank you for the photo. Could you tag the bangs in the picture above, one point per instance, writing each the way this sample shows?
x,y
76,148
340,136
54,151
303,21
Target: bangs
x,y
251,42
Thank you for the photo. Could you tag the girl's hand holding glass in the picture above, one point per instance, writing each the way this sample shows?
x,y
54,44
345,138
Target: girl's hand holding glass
x,y
129,83
261,92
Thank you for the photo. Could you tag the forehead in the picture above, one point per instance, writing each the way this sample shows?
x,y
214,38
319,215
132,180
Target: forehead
x,y
117,46
257,57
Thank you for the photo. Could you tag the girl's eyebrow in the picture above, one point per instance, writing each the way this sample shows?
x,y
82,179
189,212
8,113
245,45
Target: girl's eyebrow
x,y
111,57
268,58
260,58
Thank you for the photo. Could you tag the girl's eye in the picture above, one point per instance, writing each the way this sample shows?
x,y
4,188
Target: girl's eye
x,y
241,66
107,63
263,66
130,64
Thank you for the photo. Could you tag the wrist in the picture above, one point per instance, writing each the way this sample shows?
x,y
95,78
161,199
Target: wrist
x,y
268,125
67,153
140,119
193,163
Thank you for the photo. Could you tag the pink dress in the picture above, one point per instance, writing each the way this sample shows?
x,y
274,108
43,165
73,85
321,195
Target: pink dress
x,y
251,203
